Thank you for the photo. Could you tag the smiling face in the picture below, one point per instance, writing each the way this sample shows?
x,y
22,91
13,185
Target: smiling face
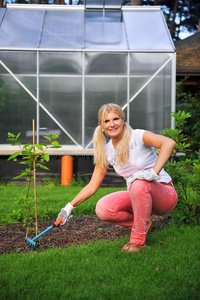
x,y
113,126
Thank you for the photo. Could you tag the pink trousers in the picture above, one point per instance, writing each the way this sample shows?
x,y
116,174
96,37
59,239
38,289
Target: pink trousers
x,y
133,208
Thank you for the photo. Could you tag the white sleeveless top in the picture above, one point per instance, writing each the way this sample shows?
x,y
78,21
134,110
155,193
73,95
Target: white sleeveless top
x,y
141,156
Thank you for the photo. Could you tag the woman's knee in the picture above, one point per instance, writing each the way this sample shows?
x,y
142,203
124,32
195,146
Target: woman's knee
x,y
109,206
102,209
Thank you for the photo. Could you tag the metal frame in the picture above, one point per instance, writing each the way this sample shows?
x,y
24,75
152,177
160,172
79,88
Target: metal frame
x,y
129,98
172,58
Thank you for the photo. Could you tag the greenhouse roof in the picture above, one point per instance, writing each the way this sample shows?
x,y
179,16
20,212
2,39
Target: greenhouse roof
x,y
84,27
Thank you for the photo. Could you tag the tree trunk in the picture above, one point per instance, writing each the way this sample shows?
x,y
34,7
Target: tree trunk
x,y
173,20
199,25
1,3
136,2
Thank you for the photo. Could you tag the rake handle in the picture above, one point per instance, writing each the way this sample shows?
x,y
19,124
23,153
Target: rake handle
x,y
50,227
43,232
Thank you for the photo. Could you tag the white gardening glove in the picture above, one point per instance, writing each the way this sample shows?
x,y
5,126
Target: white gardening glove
x,y
65,213
144,175
148,175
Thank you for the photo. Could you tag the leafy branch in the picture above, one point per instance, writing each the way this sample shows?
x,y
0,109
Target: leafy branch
x,y
34,156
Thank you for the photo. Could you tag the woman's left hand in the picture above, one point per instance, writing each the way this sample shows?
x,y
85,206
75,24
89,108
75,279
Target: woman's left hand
x,y
148,175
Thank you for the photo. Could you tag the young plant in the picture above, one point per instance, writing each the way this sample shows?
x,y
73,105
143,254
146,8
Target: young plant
x,y
33,156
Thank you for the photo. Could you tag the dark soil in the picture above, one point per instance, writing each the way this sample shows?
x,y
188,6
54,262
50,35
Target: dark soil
x,y
74,232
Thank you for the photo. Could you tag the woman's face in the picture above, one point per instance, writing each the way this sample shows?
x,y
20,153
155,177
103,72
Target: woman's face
x,y
113,126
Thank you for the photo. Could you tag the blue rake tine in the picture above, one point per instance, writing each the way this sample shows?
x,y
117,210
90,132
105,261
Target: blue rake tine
x,y
31,243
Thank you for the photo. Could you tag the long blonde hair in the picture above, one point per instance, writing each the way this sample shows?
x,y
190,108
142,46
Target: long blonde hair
x,y
99,139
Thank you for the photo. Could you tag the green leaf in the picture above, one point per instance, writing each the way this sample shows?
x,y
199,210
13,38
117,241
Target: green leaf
x,y
45,156
47,137
14,155
16,143
55,144
26,162
42,166
18,135
39,147
54,136
21,175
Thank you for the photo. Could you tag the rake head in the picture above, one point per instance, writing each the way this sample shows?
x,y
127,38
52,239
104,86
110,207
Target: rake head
x,y
30,242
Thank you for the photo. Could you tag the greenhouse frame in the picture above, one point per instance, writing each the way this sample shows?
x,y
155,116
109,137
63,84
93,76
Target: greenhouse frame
x,y
60,63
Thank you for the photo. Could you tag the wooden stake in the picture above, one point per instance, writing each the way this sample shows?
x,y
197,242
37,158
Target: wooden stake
x,y
34,174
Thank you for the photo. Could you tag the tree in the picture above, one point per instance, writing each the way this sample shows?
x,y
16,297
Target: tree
x,y
136,2
173,18
180,15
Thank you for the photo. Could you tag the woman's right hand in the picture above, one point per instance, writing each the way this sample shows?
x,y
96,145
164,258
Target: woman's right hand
x,y
65,213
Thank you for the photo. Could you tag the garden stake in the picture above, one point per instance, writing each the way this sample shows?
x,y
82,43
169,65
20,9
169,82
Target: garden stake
x,y
31,243
34,174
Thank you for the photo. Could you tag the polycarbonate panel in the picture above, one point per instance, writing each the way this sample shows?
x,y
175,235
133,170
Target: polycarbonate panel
x,y
17,109
151,108
20,62
106,63
147,63
99,91
60,63
106,36
113,16
103,3
21,28
146,30
62,97
63,29
94,3
113,3
2,12
143,68
23,66
48,126
94,16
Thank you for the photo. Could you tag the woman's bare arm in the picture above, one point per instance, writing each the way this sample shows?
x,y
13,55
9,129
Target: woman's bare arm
x,y
91,188
165,144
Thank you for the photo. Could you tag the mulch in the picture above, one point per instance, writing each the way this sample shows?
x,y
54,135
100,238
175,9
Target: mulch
x,y
75,232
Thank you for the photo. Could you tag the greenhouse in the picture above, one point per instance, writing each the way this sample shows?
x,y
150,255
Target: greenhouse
x,y
60,63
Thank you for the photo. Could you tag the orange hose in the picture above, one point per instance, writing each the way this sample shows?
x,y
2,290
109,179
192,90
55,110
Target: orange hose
x,y
66,170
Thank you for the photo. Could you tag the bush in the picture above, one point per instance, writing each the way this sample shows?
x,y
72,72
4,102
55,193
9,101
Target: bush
x,y
190,103
185,172
186,178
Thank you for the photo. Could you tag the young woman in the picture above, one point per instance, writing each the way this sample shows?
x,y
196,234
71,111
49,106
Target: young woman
x,y
131,153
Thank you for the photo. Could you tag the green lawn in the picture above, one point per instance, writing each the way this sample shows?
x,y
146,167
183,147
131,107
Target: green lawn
x,y
167,270
49,197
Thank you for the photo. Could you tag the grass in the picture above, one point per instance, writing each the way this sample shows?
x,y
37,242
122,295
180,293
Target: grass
x,y
50,197
167,269
101,271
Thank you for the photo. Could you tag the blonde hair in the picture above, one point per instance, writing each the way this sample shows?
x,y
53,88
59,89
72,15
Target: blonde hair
x,y
99,140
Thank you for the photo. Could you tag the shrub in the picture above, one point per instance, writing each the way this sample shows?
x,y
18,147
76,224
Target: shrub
x,y
185,173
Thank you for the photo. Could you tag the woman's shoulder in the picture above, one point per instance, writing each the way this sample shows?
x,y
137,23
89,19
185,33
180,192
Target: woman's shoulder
x,y
137,136
138,133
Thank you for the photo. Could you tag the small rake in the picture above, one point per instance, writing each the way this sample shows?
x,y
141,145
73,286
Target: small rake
x,y
31,243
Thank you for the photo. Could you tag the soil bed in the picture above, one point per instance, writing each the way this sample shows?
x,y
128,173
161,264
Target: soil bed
x,y
76,231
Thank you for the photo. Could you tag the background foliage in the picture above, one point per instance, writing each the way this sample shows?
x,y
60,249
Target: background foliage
x,y
184,166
